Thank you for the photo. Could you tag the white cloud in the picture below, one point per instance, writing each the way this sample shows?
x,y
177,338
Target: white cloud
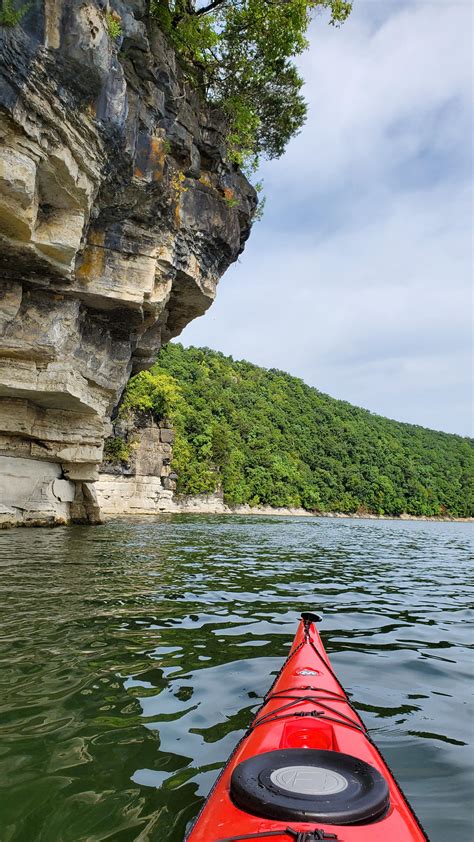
x,y
358,277
375,93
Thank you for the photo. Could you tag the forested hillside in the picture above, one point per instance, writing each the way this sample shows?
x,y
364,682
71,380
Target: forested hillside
x,y
267,438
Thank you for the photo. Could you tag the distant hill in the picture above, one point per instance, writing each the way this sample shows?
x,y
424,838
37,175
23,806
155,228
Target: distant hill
x,y
266,438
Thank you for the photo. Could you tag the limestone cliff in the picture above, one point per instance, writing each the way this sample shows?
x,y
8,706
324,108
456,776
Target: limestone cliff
x,y
136,476
119,212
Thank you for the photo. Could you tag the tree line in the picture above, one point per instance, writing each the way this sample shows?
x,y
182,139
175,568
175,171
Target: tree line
x,y
266,438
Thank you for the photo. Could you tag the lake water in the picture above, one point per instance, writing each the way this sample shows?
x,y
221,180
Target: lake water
x,y
134,654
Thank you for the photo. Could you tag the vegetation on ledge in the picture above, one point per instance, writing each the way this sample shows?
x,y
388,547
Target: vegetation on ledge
x,y
239,54
267,438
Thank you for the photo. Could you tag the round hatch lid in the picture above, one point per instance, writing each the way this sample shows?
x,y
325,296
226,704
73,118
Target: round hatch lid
x,y
310,785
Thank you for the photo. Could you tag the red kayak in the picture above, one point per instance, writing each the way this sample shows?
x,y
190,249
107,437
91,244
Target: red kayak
x,y
306,769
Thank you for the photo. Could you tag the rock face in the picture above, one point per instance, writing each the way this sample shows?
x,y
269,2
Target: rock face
x,y
118,215
137,478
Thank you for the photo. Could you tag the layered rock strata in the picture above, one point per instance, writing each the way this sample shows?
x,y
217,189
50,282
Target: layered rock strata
x,y
119,212
136,477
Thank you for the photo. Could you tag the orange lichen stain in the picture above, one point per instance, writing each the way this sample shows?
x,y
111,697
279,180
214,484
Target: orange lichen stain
x,y
157,157
228,193
93,257
152,162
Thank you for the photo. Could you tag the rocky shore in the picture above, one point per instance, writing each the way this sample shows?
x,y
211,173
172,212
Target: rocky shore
x,y
145,496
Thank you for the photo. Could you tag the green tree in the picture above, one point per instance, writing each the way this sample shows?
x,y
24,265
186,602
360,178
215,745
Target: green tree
x,y
266,438
239,53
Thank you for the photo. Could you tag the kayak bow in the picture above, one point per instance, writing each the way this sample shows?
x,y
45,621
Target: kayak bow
x,y
307,768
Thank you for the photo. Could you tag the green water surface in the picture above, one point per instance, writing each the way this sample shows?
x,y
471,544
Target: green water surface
x,y
133,656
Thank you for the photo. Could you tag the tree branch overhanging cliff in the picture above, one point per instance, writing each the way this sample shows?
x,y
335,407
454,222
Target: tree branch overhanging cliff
x,y
240,53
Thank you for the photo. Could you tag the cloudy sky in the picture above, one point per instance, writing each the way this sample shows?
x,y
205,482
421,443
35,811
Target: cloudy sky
x,y
358,278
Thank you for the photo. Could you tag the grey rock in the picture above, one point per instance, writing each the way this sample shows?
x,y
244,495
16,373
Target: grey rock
x,y
114,229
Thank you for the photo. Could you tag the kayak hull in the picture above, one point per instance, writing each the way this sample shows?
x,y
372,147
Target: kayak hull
x,y
305,709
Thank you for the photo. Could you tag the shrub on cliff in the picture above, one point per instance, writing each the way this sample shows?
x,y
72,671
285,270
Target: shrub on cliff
x,y
155,392
239,53
267,438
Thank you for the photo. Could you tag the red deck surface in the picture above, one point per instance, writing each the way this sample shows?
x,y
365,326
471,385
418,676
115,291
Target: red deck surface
x,y
220,818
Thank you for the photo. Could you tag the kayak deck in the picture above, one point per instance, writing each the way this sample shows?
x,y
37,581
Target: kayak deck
x,y
306,709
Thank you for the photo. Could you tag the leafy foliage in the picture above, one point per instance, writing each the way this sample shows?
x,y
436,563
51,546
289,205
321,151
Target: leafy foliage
x,y
153,391
114,26
116,449
10,15
239,53
267,438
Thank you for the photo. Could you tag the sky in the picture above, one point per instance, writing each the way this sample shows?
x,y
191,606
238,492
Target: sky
x,y
358,279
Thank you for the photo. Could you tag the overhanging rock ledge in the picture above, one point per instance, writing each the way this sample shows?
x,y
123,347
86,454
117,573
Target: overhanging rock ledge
x,y
119,212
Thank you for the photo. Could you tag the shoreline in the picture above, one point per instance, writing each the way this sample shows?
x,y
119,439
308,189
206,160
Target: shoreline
x,y
212,506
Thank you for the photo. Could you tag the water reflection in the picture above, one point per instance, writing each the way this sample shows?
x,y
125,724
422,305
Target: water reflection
x,y
133,657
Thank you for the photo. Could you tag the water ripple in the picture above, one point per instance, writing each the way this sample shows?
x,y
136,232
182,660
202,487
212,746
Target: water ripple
x,y
134,655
